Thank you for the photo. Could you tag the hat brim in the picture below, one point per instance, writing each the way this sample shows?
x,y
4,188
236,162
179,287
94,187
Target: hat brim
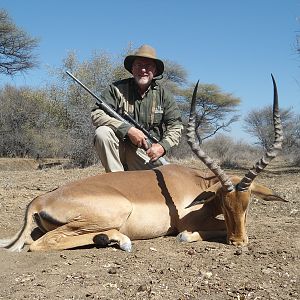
x,y
128,61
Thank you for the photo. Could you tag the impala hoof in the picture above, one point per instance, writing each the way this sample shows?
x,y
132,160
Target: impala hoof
x,y
126,247
182,237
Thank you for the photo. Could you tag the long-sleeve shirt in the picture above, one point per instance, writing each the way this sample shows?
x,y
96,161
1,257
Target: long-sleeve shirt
x,y
156,111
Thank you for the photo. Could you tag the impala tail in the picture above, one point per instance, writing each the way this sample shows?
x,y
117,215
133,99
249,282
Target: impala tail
x,y
22,237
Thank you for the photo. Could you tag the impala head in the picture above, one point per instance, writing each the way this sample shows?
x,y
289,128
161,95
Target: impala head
x,y
233,193
234,205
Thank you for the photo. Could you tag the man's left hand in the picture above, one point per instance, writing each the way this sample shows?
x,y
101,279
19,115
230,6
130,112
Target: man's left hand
x,y
155,152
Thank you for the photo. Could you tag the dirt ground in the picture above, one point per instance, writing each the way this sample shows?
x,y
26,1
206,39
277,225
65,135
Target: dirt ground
x,y
162,268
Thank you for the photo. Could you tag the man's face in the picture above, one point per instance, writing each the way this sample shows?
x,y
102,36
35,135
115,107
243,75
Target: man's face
x,y
143,71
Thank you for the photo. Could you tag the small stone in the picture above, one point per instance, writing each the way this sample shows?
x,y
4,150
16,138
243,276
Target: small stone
x,y
142,288
191,252
238,252
206,274
112,270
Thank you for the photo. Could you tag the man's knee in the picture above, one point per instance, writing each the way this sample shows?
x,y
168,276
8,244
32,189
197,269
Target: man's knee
x,y
104,135
107,146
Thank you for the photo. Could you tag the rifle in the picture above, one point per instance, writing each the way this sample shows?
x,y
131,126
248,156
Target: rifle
x,y
126,117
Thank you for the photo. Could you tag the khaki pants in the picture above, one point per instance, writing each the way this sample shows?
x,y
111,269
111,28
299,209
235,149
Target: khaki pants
x,y
117,155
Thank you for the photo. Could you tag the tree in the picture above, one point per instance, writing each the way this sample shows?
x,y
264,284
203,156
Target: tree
x,y
214,109
16,47
259,124
95,73
31,124
174,77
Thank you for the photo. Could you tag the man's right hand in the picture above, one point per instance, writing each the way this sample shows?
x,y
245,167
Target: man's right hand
x,y
137,138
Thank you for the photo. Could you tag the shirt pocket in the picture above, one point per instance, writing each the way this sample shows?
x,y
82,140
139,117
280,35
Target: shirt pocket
x,y
157,118
158,115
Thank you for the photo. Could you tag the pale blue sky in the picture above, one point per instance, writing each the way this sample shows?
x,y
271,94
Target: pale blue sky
x,y
235,44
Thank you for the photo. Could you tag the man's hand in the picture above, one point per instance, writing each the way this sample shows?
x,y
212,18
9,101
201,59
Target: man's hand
x,y
155,151
137,138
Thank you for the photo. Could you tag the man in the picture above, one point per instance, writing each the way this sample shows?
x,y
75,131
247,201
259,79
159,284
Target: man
x,y
121,146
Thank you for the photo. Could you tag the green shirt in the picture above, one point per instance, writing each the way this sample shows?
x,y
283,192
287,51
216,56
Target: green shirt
x,y
157,111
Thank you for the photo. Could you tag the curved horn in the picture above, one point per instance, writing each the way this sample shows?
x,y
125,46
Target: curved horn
x,y
211,164
273,151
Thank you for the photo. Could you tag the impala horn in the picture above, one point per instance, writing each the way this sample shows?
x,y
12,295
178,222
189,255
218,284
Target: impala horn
x,y
210,163
272,152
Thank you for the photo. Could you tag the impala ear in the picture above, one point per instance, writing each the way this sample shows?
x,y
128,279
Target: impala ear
x,y
265,193
206,195
203,197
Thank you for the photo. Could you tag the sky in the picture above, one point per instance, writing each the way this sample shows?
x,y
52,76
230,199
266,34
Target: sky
x,y
234,44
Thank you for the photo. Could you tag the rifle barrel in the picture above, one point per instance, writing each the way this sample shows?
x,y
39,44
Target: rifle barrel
x,y
100,102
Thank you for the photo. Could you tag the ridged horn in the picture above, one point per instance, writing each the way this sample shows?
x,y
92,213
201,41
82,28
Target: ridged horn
x,y
272,152
210,163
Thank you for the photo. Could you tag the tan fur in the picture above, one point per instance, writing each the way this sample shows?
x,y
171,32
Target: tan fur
x,y
125,206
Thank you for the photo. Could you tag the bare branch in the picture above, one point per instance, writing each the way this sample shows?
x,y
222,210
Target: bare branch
x,y
16,47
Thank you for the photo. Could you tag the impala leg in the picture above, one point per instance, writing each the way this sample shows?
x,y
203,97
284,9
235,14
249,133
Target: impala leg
x,y
66,237
189,237
212,228
113,235
62,238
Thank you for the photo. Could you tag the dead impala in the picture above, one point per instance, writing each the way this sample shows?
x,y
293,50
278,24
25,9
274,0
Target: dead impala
x,y
124,206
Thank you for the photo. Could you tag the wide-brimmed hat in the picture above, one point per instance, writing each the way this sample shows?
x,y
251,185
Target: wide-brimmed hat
x,y
147,52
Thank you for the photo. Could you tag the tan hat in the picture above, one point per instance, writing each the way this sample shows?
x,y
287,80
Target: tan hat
x,y
147,52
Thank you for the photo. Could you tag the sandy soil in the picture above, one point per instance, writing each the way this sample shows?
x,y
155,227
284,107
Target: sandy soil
x,y
162,268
